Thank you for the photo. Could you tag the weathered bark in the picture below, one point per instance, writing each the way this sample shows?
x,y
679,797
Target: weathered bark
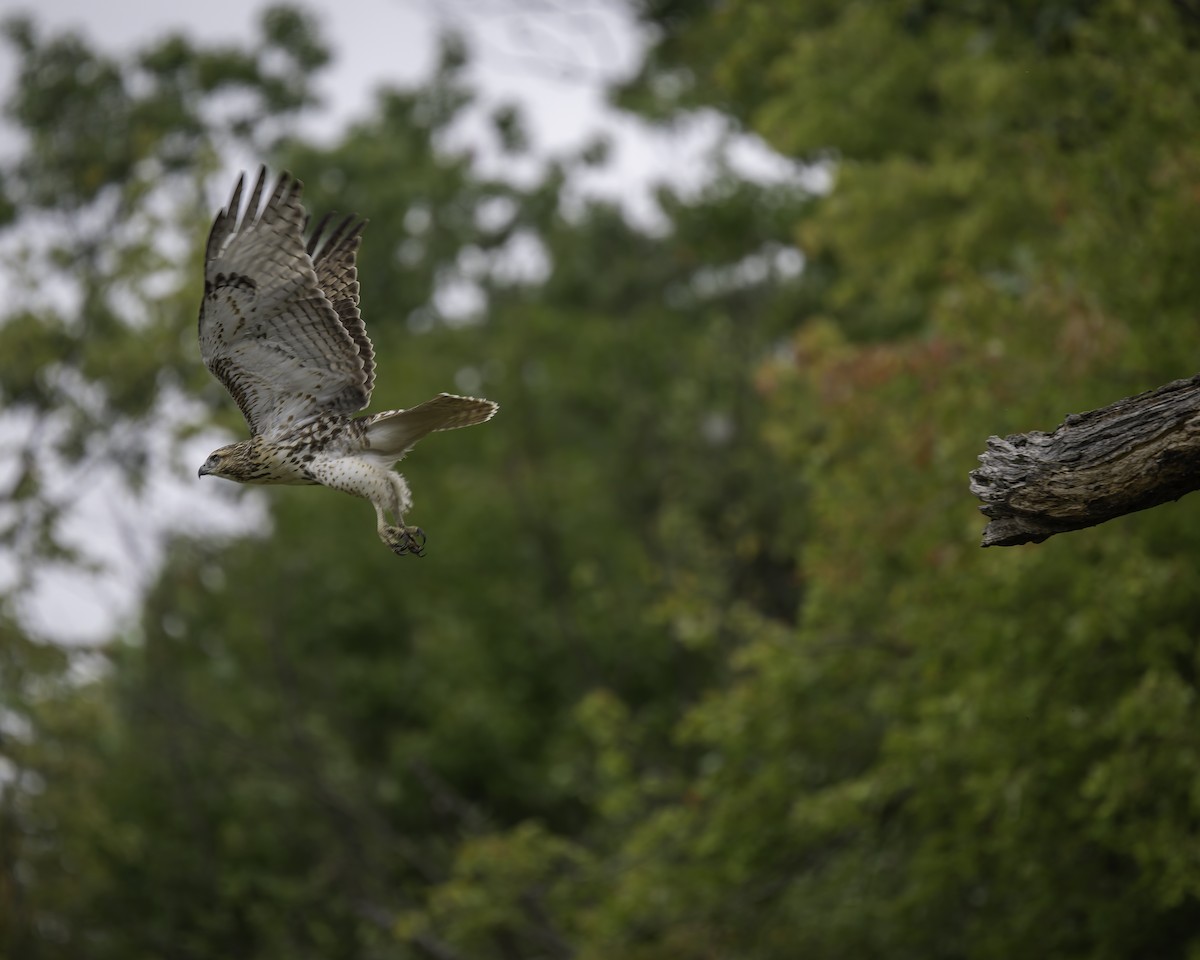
x,y
1131,455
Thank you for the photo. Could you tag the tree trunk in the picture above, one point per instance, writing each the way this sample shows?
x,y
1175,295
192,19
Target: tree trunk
x,y
1131,455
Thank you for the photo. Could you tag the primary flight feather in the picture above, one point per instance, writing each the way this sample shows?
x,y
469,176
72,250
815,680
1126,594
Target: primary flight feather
x,y
281,329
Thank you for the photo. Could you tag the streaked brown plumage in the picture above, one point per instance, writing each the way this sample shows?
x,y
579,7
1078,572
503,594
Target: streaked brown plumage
x,y
280,328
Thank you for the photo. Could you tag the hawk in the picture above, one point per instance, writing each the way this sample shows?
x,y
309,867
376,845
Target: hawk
x,y
281,330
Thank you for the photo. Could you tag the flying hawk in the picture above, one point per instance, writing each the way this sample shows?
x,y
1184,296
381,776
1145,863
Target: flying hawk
x,y
280,328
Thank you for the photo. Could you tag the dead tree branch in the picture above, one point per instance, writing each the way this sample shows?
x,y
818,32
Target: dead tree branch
x,y
1131,455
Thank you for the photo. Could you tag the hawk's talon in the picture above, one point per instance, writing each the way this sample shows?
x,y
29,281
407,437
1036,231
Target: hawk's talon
x,y
403,541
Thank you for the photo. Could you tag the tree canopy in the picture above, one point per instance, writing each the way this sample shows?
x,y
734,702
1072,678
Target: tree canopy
x,y
705,660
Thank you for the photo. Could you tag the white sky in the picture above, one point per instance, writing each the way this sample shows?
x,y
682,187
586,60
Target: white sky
x,y
554,57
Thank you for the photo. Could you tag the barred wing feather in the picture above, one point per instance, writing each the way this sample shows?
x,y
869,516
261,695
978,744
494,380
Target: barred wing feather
x,y
333,256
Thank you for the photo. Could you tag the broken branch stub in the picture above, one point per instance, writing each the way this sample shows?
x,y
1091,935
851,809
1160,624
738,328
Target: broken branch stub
x,y
1131,455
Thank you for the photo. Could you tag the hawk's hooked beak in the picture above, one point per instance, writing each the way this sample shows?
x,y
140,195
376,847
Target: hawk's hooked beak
x,y
203,471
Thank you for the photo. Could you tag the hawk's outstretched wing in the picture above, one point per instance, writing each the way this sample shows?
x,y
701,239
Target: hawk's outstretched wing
x,y
268,331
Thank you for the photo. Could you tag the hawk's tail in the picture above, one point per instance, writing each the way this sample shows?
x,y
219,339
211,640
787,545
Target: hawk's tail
x,y
392,434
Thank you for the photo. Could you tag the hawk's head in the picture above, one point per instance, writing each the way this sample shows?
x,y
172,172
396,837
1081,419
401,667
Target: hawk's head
x,y
234,461
258,461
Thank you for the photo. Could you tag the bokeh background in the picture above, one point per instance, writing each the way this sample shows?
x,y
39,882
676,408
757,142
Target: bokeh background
x,y
705,660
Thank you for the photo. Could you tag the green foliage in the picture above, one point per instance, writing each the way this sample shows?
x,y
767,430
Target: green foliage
x,y
703,660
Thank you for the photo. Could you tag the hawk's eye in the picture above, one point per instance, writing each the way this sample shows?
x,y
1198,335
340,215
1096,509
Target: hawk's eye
x,y
213,461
